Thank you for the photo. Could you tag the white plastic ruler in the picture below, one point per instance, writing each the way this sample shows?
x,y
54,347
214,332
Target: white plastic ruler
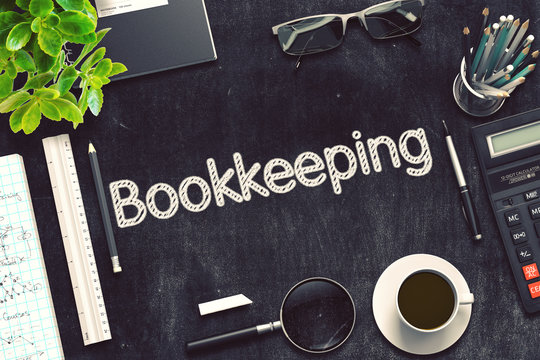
x,y
76,236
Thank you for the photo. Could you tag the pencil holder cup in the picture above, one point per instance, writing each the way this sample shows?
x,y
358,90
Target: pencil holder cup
x,y
471,101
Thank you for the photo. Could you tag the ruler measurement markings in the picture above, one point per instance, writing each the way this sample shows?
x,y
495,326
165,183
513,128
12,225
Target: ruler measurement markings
x,y
77,242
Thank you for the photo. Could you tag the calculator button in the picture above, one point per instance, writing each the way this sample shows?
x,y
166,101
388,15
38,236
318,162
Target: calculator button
x,y
524,253
519,235
534,289
512,217
531,195
534,210
530,271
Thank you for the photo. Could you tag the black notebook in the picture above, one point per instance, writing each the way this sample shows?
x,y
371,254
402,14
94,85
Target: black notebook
x,y
155,35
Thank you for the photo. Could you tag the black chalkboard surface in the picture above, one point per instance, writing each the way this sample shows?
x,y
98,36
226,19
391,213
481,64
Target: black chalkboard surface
x,y
163,128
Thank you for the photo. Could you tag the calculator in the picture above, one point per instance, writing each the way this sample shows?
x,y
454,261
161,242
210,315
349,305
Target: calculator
x,y
508,151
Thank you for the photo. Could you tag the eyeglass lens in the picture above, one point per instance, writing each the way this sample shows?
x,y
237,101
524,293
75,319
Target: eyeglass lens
x,y
393,19
311,35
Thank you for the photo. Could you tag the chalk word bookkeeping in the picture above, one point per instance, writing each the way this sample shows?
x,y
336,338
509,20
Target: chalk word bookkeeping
x,y
280,176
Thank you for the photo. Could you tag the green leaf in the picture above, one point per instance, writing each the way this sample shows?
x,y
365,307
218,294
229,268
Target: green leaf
x,y
103,68
93,59
18,36
47,94
70,97
71,4
95,100
58,65
14,101
40,8
11,69
36,25
5,53
8,20
83,100
52,20
68,110
49,110
117,68
43,61
6,85
50,41
23,4
32,118
90,11
66,79
89,47
81,39
75,23
15,120
96,82
38,81
24,60
6,5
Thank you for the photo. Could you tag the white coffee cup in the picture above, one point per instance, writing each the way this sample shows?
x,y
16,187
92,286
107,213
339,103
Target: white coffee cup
x,y
418,296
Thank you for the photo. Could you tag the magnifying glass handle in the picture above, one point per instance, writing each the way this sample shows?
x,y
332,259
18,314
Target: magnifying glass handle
x,y
232,336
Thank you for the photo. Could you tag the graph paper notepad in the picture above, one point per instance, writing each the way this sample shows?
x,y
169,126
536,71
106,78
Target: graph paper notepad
x,y
28,328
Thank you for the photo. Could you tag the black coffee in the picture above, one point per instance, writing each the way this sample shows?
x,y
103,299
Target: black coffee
x,y
426,300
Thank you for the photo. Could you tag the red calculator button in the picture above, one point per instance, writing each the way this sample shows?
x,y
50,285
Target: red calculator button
x,y
534,289
530,271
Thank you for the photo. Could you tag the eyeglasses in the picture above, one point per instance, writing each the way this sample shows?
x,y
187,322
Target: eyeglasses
x,y
318,33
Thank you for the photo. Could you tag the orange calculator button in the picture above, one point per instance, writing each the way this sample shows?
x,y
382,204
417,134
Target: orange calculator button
x,y
534,289
530,271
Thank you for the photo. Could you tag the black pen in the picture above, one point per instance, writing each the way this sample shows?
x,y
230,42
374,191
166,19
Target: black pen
x,y
468,206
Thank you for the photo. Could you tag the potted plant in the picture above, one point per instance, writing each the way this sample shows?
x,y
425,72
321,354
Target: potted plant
x,y
33,54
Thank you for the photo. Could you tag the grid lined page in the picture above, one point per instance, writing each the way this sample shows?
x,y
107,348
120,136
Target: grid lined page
x,y
28,328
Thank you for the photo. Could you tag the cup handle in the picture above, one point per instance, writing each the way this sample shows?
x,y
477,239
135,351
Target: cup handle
x,y
465,299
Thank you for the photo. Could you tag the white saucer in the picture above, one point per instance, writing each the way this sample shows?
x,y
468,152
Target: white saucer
x,y
386,315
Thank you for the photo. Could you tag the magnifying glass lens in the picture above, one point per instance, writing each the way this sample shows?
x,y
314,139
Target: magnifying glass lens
x,y
318,315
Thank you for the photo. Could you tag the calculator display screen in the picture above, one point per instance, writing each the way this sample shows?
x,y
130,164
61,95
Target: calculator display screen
x,y
514,139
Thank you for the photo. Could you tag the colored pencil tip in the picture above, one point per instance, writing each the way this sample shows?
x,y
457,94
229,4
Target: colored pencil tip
x,y
535,54
466,31
91,147
525,24
485,12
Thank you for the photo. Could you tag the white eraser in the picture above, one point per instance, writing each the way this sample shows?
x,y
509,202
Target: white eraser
x,y
230,302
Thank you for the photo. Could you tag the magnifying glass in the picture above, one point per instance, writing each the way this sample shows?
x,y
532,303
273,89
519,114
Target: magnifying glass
x,y
317,315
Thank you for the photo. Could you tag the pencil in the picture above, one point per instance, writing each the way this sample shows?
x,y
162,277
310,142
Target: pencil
x,y
485,16
497,49
501,81
513,46
499,74
467,53
484,62
529,60
480,49
512,84
529,69
521,57
104,209
528,40
509,37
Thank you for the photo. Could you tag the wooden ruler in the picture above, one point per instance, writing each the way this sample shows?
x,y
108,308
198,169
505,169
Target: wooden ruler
x,y
76,236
